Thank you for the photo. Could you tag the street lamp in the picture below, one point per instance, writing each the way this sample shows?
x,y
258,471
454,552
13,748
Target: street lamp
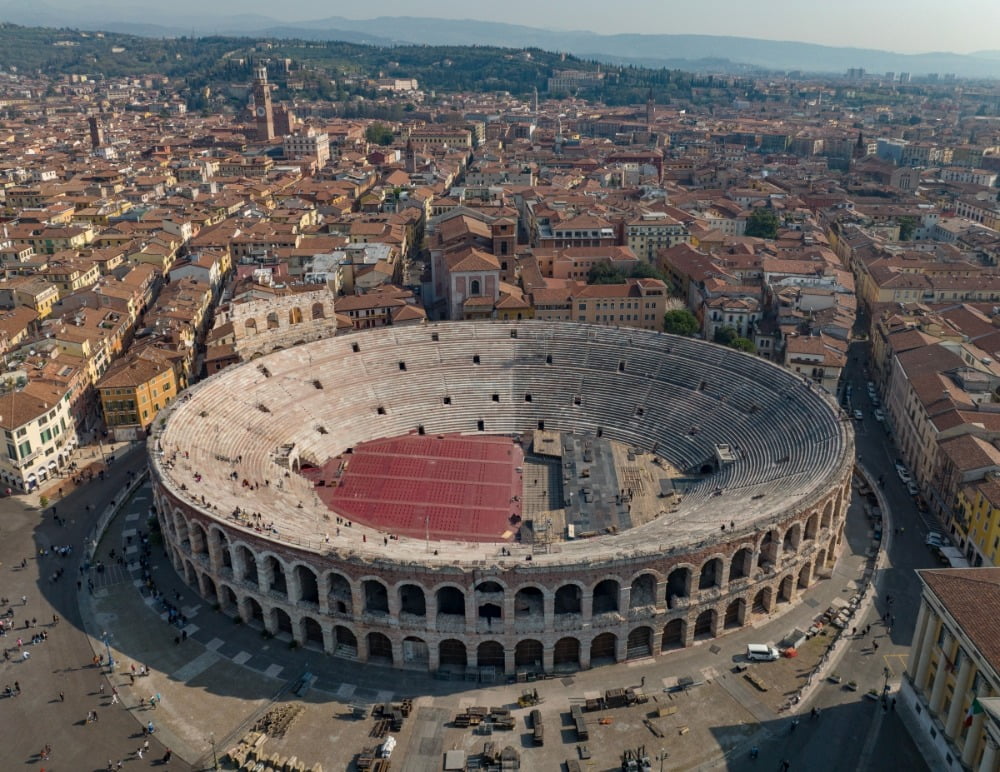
x,y
885,687
106,639
663,755
215,758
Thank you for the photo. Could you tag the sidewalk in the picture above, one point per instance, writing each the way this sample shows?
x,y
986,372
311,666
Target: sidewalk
x,y
86,457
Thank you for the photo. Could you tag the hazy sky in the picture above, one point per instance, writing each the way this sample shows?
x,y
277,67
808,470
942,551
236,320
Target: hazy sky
x,y
897,25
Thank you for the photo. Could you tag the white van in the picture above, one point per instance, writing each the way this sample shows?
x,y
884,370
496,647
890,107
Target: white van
x,y
759,652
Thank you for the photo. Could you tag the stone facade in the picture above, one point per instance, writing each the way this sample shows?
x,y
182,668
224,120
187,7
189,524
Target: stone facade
x,y
263,326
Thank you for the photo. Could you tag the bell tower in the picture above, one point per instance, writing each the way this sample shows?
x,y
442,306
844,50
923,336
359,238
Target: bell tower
x,y
262,104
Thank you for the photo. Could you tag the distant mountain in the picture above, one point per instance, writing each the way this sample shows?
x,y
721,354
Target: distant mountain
x,y
693,52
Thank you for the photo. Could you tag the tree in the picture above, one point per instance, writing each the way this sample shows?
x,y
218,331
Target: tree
x,y
725,335
743,344
907,225
762,223
379,134
680,322
603,273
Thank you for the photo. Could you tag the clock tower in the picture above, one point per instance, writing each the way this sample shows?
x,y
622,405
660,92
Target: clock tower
x,y
262,104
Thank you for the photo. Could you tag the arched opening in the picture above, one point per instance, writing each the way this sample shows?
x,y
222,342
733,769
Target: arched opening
x,y
339,596
376,597
282,622
294,315
248,563
639,643
741,564
678,585
475,288
412,600
272,321
491,612
673,635
805,576
785,590
831,550
827,515
735,614
812,526
450,602
489,587
250,326
415,652
820,560
318,312
227,599
606,597
451,653
762,601
568,599
768,550
643,592
255,611
345,642
490,654
711,574
704,625
312,633
276,572
199,545
308,587
529,603
379,648
604,649
566,653
792,538
528,654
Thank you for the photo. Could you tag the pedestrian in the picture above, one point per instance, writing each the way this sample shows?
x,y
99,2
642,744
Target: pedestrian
x,y
138,752
145,746
892,705
62,697
167,755
24,598
874,645
101,687
149,728
114,699
25,654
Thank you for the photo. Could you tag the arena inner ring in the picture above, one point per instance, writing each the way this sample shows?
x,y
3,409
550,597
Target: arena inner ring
x,y
752,514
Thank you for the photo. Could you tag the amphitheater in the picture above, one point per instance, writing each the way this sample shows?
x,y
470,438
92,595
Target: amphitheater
x,y
746,512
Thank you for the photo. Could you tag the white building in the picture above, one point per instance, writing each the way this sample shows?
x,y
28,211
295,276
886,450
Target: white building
x,y
40,433
310,145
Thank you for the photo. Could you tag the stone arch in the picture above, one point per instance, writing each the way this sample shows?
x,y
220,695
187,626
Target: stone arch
x,y
206,587
805,575
827,518
490,587
219,543
308,586
272,321
345,642
295,315
529,603
376,596
282,623
792,538
254,613
736,614
705,624
831,550
607,595
786,589
489,596
812,526
569,599
274,570
339,597
678,584
250,326
318,312
639,643
247,562
379,648
450,601
416,652
190,575
820,559
768,550
227,599
674,633
452,653
604,649
529,653
566,653
763,601
643,592
742,564
710,576
198,537
311,633
475,287
412,600
490,654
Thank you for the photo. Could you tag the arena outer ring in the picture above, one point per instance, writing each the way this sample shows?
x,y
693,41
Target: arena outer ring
x,y
660,586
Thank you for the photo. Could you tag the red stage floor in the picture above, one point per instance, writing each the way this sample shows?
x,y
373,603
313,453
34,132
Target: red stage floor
x,y
455,487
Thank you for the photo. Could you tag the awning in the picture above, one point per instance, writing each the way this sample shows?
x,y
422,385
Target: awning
x,y
52,465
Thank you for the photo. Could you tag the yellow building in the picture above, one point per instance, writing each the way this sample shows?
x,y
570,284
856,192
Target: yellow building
x,y
953,673
977,521
134,390
637,303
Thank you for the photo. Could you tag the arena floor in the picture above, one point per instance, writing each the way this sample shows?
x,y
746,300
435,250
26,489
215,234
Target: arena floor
x,y
449,487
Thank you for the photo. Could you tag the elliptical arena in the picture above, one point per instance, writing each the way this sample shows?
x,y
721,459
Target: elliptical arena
x,y
497,497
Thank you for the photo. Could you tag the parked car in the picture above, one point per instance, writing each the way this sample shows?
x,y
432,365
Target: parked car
x,y
858,415
879,415
904,474
912,489
936,539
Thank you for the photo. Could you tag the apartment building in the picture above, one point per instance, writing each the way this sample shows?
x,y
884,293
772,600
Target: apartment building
x,y
40,432
636,303
133,390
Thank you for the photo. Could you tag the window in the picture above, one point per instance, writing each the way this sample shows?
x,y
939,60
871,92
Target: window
x,y
474,287
24,449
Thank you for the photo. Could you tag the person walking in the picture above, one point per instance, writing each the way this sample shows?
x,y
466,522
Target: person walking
x,y
138,752
167,755
114,699
62,697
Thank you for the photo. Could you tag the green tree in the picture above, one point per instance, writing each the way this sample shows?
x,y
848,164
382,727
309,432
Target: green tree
x,y
680,322
743,344
725,335
379,134
907,225
762,223
603,273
